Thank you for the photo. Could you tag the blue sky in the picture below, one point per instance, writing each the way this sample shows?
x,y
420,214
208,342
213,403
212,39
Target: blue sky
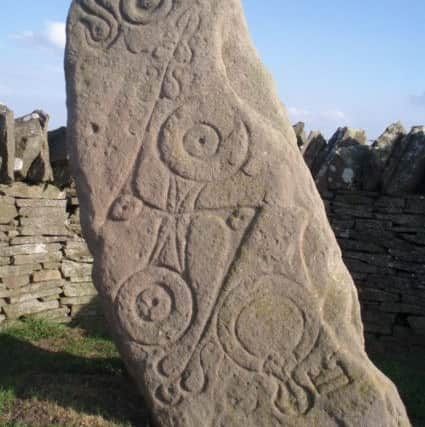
x,y
357,63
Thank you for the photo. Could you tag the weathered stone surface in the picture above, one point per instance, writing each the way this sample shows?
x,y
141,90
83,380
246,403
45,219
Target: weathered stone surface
x,y
76,269
15,311
15,281
405,172
17,270
46,275
59,157
220,275
21,190
313,151
32,149
345,160
29,249
381,152
7,144
79,289
7,212
300,134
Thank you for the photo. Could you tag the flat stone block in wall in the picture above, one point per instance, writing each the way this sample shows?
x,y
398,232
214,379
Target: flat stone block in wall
x,y
417,238
43,220
15,311
90,299
30,249
71,269
18,270
79,289
16,281
41,293
37,240
371,294
21,190
360,246
46,275
401,308
5,261
61,315
378,322
54,213
417,324
416,204
41,203
78,251
44,230
39,258
7,213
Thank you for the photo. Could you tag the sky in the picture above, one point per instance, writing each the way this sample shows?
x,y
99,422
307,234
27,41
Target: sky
x,y
335,63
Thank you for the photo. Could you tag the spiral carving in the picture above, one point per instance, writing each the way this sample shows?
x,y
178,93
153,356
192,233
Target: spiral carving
x,y
145,11
101,27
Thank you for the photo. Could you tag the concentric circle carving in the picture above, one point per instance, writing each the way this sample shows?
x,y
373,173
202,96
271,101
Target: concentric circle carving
x,y
204,142
154,306
270,318
145,11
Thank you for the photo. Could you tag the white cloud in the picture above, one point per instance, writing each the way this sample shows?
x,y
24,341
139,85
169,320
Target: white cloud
x,y
332,115
56,34
298,114
53,36
301,114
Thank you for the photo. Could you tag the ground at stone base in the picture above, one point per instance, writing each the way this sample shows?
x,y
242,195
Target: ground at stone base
x,y
57,376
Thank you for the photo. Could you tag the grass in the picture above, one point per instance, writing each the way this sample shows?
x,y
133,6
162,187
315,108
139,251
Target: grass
x,y
55,376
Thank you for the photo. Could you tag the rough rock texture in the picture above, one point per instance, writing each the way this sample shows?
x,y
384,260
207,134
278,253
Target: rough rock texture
x,y
7,144
59,157
219,272
312,150
45,266
343,164
300,134
32,149
406,167
380,154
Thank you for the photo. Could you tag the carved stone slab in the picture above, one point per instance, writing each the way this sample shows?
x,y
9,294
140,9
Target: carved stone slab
x,y
220,275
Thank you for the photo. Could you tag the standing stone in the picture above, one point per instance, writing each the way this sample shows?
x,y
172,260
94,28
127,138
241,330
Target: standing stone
x,y
32,148
7,145
217,267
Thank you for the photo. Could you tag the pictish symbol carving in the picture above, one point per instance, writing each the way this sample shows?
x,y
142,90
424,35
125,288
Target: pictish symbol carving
x,y
329,379
155,306
101,27
125,208
145,11
282,312
204,144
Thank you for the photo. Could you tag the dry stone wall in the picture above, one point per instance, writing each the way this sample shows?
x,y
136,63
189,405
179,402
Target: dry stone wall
x,y
383,244
45,266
